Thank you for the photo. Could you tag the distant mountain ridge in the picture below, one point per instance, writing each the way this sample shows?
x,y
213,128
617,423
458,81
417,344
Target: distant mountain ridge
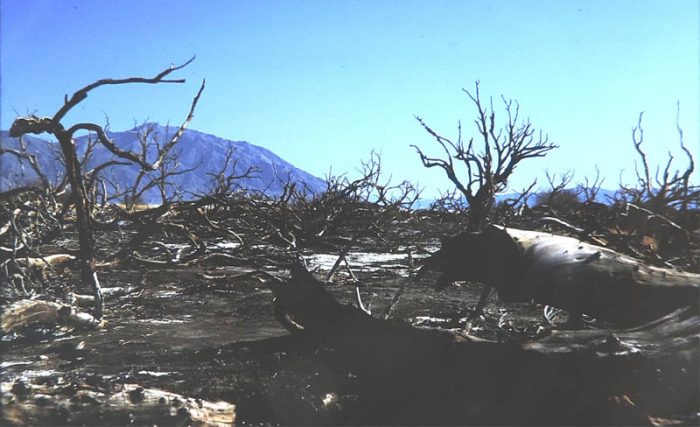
x,y
603,196
205,154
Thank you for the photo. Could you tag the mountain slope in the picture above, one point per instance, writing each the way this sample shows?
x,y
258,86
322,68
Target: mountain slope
x,y
203,153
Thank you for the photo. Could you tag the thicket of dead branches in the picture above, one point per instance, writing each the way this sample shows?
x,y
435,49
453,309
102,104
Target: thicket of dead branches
x,y
225,225
654,221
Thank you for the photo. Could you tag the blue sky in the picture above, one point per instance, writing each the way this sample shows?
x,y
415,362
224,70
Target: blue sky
x,y
322,83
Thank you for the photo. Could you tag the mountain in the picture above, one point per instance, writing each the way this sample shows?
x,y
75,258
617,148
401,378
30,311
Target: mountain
x,y
15,172
198,155
604,196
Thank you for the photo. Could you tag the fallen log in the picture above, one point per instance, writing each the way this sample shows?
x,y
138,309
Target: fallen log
x,y
566,273
30,404
30,313
676,333
40,267
39,263
419,376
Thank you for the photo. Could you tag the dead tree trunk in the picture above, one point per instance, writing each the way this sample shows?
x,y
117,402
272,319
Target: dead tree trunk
x,y
644,376
31,313
565,272
86,239
76,405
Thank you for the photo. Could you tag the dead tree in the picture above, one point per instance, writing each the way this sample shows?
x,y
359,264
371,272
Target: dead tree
x,y
564,272
490,162
80,200
558,198
421,376
666,189
590,189
85,404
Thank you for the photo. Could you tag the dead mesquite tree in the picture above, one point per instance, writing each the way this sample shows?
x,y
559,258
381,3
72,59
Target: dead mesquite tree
x,y
489,162
558,198
666,189
590,189
65,137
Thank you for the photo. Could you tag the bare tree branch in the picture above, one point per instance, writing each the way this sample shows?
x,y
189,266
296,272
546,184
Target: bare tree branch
x,y
81,94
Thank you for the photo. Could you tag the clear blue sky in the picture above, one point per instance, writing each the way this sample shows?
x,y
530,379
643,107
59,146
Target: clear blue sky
x,y
322,83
